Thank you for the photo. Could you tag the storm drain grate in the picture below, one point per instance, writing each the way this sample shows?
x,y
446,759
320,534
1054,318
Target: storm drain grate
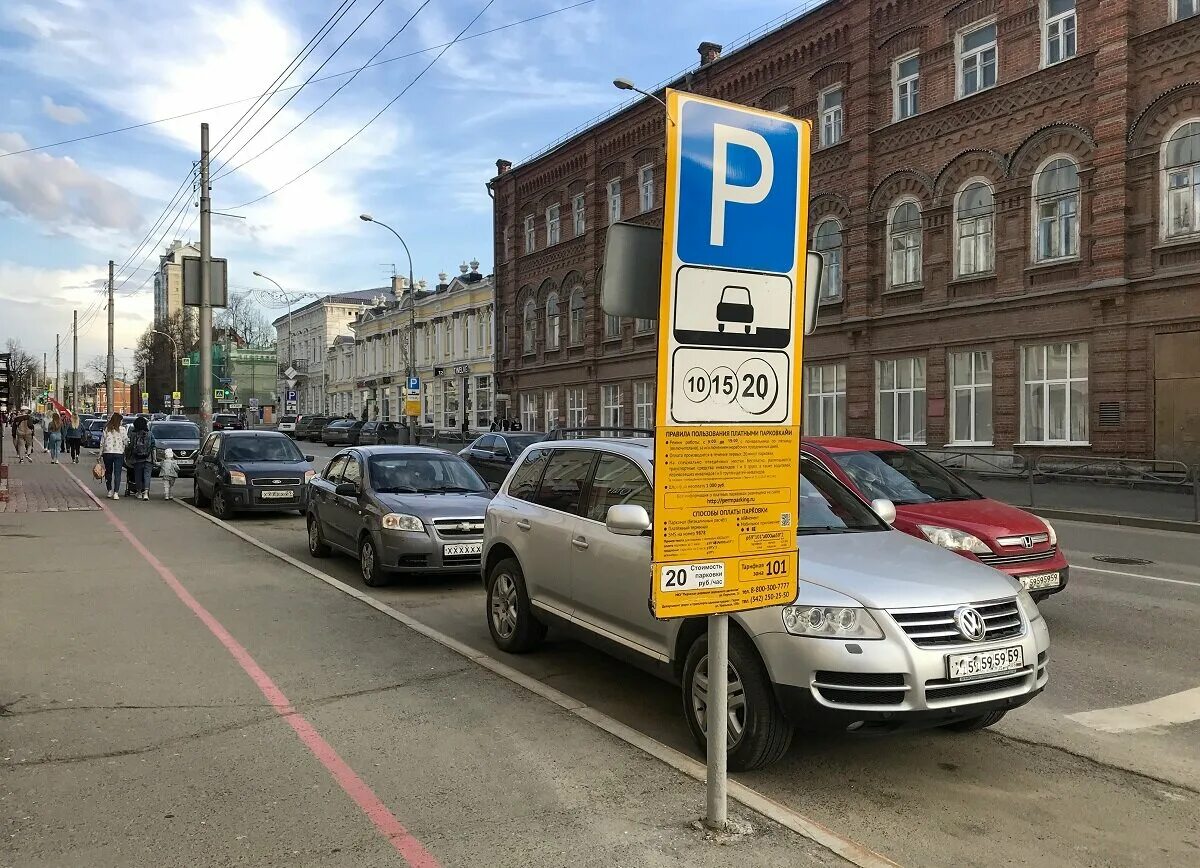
x,y
1116,559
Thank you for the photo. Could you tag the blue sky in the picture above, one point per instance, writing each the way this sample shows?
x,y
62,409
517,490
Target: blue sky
x,y
71,68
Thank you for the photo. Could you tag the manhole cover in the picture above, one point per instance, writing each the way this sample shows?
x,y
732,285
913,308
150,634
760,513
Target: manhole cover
x,y
1115,559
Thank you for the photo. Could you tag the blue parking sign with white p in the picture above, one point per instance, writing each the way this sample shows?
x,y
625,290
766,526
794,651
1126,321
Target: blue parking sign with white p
x,y
414,384
737,188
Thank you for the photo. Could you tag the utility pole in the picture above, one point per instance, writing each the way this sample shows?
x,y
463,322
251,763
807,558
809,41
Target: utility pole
x,y
108,393
75,403
57,380
206,390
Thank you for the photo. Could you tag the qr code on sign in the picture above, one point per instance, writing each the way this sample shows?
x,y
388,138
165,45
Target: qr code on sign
x,y
785,519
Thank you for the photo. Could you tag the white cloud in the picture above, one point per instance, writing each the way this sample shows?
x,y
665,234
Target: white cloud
x,y
64,114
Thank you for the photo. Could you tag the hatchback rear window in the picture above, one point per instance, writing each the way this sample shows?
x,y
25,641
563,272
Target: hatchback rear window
x,y
286,419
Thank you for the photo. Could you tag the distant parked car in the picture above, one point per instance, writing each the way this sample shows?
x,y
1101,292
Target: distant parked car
x,y
933,504
92,431
408,509
287,425
227,421
182,438
178,417
493,455
158,417
337,432
353,434
380,433
310,427
251,470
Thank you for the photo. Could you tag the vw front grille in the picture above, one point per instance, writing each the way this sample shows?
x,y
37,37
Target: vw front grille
x,y
933,628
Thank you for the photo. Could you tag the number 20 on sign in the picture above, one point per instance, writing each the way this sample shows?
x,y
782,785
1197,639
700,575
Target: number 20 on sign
x,y
731,326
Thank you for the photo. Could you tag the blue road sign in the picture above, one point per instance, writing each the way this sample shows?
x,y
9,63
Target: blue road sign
x,y
414,384
737,188
291,395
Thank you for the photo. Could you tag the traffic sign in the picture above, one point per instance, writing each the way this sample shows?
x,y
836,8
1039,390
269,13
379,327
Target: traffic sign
x,y
145,396
731,321
177,396
414,384
252,403
186,361
219,394
291,395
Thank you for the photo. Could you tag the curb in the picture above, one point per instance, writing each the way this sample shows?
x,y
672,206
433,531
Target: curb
x,y
1116,520
846,848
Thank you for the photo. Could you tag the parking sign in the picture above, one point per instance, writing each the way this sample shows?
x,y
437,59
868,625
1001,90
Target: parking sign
x,y
731,323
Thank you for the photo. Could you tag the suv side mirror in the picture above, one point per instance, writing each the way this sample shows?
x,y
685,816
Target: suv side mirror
x,y
346,489
627,519
885,509
310,458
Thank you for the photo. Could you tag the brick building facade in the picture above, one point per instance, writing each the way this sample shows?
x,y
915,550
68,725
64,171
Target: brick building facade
x,y
1007,197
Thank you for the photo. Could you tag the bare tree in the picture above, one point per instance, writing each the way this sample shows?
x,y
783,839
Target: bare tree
x,y
245,319
22,369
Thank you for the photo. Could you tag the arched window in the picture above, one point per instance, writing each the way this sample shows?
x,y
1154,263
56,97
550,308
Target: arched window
x,y
973,213
552,321
904,244
529,330
576,323
1056,193
1181,181
827,241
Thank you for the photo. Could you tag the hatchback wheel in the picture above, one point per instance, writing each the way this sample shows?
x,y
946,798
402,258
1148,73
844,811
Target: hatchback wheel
x,y
758,733
369,564
317,547
220,504
511,621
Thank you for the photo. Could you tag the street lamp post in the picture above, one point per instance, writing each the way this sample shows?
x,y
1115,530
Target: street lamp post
x,y
412,323
288,301
626,84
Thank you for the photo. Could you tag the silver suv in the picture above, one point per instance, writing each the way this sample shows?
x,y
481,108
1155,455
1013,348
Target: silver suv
x,y
888,632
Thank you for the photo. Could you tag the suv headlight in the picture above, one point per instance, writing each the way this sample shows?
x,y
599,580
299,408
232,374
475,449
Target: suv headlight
x,y
955,540
236,477
837,622
1049,530
400,521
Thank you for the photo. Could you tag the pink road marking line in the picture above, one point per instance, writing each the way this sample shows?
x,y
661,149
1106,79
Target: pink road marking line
x,y
356,788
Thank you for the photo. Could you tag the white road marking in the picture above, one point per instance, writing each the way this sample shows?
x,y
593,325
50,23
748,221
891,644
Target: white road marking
x,y
1182,707
1137,576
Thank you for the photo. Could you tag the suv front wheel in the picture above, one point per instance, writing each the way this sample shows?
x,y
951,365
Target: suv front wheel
x,y
759,734
510,616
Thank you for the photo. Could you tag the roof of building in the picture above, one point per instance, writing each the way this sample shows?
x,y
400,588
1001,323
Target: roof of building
x,y
361,297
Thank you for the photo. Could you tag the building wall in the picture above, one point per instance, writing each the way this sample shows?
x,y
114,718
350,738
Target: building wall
x,y
307,336
1135,76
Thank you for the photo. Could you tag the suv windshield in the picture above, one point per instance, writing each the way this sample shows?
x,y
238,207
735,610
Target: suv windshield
x,y
423,473
175,430
827,506
262,449
903,477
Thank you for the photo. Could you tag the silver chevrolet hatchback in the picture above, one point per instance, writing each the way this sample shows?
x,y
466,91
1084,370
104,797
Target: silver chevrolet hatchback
x,y
888,632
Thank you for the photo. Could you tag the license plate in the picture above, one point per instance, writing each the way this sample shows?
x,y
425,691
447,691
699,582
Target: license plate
x,y
277,495
463,549
1039,581
981,663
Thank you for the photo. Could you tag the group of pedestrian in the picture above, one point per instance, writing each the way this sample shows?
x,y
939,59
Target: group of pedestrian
x,y
132,453
504,424
61,431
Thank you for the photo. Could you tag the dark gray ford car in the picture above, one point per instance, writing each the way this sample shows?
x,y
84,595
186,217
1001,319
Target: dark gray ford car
x,y
398,509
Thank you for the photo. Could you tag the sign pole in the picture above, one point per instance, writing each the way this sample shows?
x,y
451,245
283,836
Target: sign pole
x,y
715,816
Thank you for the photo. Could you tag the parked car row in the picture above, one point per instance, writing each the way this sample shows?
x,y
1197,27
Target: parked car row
x,y
341,431
915,607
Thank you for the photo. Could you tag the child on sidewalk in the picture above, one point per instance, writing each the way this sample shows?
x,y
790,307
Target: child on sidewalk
x,y
169,471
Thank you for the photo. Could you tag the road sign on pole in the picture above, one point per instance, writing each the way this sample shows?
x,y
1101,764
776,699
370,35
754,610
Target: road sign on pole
x,y
414,384
731,323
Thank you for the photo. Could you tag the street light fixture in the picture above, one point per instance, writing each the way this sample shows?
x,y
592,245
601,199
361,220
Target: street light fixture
x,y
288,301
412,321
626,84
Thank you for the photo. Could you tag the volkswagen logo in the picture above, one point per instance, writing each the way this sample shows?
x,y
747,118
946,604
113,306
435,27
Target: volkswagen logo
x,y
970,623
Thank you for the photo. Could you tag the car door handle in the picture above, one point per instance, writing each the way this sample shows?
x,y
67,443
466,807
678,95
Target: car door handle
x,y
580,543
522,524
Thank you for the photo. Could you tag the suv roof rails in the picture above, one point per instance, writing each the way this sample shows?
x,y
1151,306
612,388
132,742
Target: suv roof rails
x,y
600,432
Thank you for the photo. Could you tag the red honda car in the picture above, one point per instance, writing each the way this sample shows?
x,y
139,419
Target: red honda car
x,y
935,505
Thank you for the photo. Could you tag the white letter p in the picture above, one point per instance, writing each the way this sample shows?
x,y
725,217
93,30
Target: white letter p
x,y
723,191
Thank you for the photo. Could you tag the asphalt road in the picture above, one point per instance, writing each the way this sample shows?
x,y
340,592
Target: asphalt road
x,y
1074,778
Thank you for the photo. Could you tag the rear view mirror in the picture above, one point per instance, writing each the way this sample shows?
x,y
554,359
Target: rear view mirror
x,y
627,519
885,509
346,489
310,458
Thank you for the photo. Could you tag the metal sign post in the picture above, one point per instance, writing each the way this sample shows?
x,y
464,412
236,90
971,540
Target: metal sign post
x,y
727,434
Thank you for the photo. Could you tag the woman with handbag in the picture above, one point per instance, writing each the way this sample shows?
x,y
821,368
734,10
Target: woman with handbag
x,y
112,452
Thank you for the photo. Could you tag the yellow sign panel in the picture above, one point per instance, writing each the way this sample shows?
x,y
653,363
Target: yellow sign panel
x,y
175,396
412,407
731,324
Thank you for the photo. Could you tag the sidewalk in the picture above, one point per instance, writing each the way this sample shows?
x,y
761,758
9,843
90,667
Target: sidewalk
x,y
131,734
43,487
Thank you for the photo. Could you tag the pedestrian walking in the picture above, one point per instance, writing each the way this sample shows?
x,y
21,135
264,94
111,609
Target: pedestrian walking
x,y
495,426
45,434
54,435
23,436
139,454
168,471
12,423
112,453
466,429
73,433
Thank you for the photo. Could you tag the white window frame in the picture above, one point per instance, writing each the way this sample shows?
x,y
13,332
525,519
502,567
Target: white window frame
x,y
529,320
551,409
895,395
579,212
577,407
614,200
960,58
576,316
483,400
1192,173
1175,16
1060,20
1046,382
643,404
530,235
646,188
529,411
553,224
482,323
612,327
913,96
553,322
907,252
816,387
610,405
643,326
1036,214
827,272
973,387
833,119
991,269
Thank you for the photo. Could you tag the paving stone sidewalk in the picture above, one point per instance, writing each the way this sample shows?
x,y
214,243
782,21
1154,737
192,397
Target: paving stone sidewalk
x,y
44,487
